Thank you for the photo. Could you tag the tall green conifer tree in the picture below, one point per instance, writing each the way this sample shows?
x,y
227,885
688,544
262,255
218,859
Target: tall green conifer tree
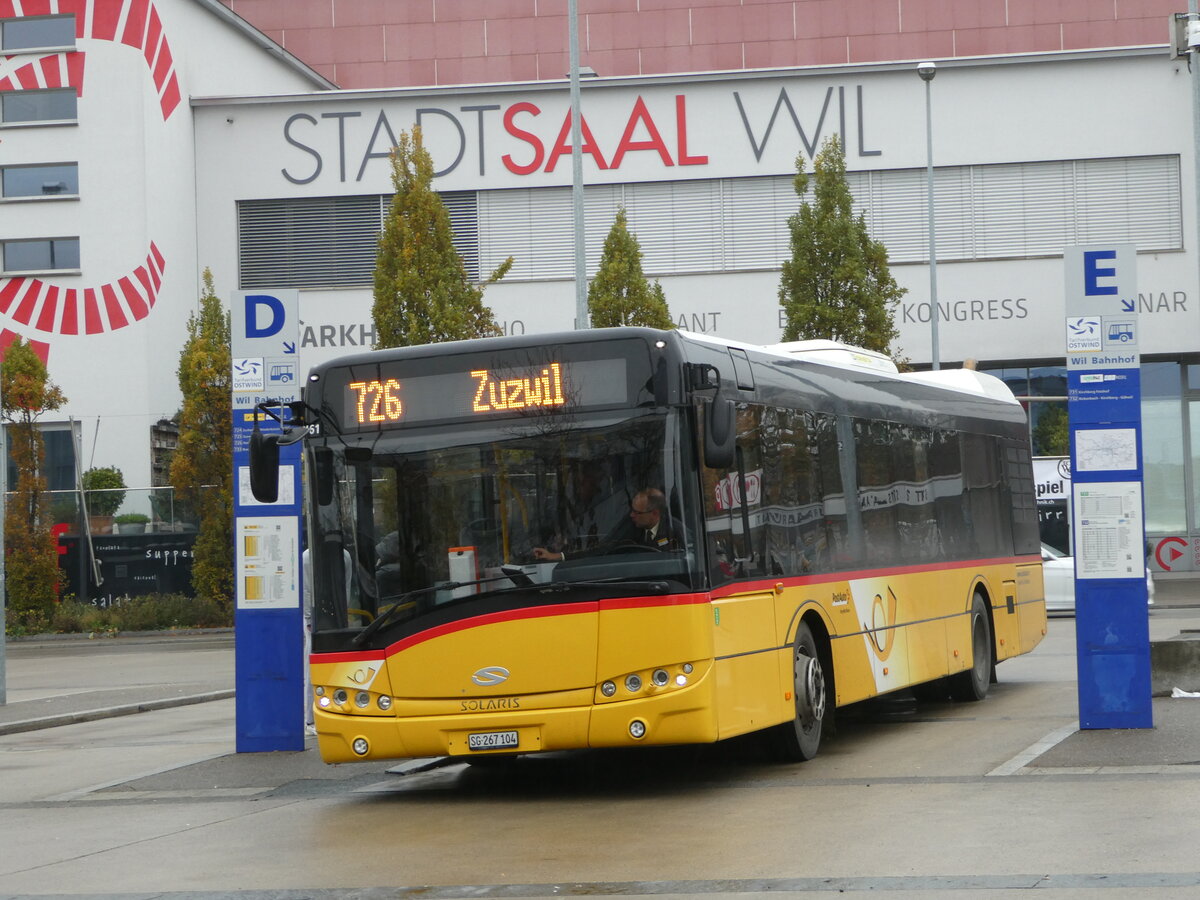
x,y
422,293
202,466
620,293
837,284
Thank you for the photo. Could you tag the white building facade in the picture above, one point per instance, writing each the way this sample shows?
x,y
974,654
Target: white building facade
x,y
271,180
98,226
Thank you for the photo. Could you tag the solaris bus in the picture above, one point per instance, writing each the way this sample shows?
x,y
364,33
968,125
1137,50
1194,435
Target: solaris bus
x,y
837,531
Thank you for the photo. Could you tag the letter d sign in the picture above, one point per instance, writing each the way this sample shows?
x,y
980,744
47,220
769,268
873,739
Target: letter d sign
x,y
264,315
264,325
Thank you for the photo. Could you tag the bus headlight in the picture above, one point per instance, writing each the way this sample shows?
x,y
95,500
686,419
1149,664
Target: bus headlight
x,y
647,684
637,729
360,746
362,699
340,697
385,702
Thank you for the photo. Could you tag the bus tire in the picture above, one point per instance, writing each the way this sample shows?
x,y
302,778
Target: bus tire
x,y
801,738
972,684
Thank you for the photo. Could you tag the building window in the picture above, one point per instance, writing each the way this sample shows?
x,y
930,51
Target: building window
x,y
331,242
51,105
43,255
28,33
1003,211
57,180
1166,471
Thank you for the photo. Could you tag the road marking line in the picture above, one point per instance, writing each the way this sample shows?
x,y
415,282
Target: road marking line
x,y
1032,752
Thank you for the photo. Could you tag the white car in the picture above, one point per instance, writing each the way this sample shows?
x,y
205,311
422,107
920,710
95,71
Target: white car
x,y
1058,575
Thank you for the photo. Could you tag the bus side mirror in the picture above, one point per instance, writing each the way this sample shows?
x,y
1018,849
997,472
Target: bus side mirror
x,y
323,474
720,433
264,466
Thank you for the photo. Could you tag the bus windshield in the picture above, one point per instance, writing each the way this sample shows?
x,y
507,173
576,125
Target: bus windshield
x,y
442,522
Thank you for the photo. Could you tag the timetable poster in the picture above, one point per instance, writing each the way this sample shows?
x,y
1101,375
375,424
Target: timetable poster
x,y
1108,530
267,550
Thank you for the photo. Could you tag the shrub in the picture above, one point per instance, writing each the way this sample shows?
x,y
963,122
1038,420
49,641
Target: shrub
x,y
154,612
108,483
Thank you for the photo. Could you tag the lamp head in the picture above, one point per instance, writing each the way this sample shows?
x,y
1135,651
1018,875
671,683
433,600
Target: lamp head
x,y
926,70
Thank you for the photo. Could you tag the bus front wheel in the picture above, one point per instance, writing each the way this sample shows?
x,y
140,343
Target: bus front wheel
x,y
801,737
974,682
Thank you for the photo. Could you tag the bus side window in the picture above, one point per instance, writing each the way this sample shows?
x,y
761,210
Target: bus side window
x,y
734,517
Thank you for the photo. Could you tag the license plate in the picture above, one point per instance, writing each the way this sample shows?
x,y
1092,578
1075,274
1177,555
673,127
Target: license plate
x,y
492,740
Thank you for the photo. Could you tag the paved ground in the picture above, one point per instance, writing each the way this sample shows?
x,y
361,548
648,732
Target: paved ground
x,y
59,680
125,791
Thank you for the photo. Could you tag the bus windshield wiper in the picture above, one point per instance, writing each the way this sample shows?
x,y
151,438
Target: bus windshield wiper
x,y
404,600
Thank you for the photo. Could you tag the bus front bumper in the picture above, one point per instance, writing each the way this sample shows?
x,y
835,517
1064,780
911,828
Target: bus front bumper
x,y
679,717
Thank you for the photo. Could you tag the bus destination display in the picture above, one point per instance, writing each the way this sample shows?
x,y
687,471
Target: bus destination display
x,y
386,399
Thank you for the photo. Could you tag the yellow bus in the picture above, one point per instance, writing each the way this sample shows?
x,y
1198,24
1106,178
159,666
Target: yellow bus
x,y
625,537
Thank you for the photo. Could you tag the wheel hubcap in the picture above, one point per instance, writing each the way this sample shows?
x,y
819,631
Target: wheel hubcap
x,y
810,689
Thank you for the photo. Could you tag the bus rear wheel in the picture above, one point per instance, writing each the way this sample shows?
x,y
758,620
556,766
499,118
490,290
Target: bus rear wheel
x,y
973,683
801,738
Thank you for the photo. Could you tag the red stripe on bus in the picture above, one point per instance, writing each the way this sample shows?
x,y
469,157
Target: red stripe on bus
x,y
508,615
347,656
647,602
513,615
650,602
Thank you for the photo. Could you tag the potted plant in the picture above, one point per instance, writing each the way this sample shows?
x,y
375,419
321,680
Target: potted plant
x,y
131,523
105,491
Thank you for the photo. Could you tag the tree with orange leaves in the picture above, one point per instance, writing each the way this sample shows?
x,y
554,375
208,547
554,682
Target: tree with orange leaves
x,y
31,556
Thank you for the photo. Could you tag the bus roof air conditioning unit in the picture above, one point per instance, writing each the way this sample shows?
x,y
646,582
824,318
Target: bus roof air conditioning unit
x,y
836,353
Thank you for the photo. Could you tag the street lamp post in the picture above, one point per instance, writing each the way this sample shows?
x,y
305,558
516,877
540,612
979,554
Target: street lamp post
x,y
581,310
927,70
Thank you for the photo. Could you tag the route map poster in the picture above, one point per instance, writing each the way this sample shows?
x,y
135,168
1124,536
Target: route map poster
x,y
1106,449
